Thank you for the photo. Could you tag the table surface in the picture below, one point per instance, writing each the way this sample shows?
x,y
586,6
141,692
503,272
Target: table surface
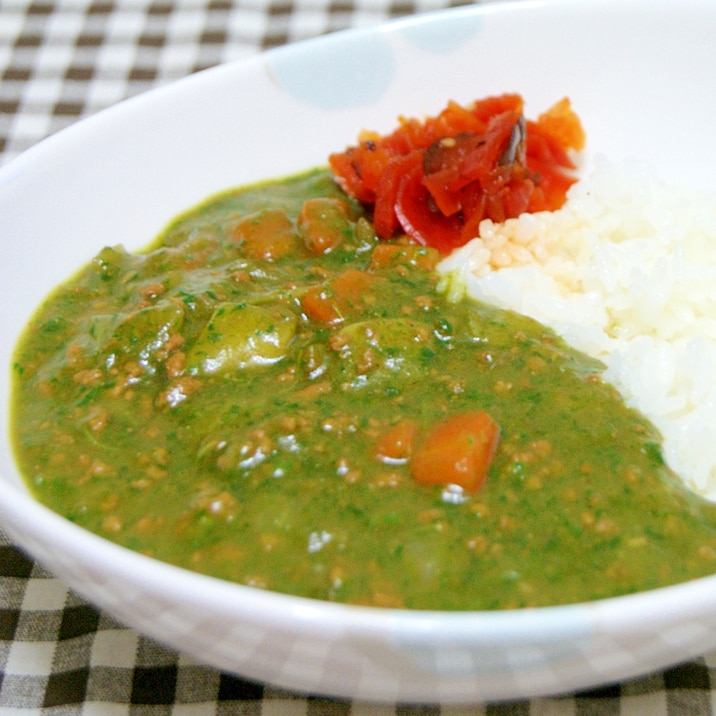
x,y
66,59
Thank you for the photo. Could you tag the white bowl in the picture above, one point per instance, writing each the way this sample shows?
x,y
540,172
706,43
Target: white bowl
x,y
638,74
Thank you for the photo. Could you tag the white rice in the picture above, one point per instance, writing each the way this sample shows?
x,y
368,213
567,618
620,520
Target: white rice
x,y
626,272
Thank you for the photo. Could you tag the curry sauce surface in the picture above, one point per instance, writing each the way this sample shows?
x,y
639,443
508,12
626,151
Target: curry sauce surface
x,y
186,403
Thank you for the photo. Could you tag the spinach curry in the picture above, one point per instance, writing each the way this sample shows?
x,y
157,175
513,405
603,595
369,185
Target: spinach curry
x,y
222,401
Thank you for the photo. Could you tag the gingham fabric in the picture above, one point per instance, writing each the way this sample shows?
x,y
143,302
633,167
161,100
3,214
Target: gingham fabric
x,y
61,61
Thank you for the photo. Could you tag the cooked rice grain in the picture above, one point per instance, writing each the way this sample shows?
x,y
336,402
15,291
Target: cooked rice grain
x,y
626,272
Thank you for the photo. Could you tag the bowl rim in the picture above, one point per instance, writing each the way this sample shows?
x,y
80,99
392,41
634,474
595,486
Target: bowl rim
x,y
633,612
629,613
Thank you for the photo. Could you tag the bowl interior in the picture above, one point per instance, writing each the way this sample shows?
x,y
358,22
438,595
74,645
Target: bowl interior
x,y
636,74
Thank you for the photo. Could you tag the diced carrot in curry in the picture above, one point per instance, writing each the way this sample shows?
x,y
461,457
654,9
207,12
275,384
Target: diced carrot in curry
x,y
458,451
267,234
392,255
396,443
330,303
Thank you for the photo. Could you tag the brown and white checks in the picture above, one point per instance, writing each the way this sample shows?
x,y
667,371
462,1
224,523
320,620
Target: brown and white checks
x,y
66,59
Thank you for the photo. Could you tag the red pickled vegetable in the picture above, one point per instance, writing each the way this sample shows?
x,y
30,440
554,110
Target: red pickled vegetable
x,y
436,180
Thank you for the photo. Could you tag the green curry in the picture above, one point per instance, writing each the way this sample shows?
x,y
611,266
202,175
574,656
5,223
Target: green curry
x,y
218,402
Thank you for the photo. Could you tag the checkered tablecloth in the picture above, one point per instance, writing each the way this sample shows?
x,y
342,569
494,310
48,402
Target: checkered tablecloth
x,y
61,60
